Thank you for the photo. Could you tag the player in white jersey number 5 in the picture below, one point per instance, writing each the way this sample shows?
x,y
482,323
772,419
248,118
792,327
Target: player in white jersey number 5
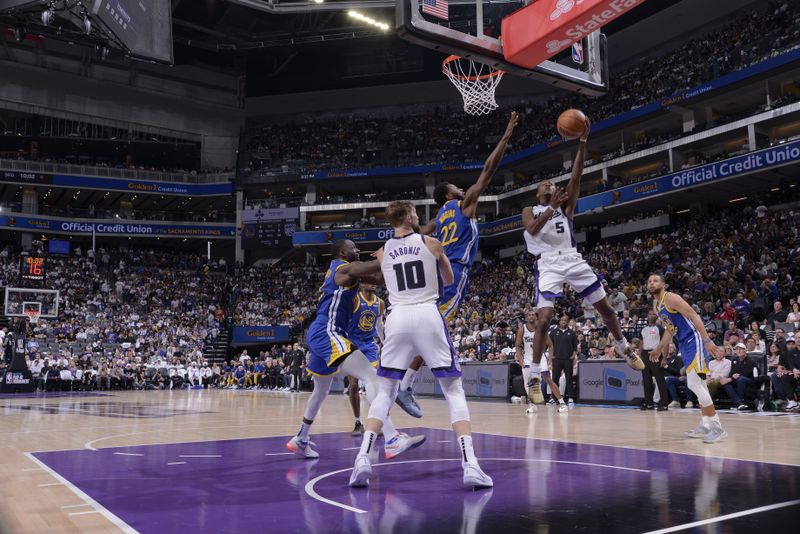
x,y
549,236
411,264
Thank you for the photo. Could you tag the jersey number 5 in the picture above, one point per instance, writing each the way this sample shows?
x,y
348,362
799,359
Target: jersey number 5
x,y
559,227
410,275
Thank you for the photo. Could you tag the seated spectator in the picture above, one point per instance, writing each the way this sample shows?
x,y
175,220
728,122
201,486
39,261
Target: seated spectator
x,y
790,374
719,374
794,316
732,330
741,377
673,365
778,314
741,305
65,378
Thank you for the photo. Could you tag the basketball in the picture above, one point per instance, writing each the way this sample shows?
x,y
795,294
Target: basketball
x,y
571,124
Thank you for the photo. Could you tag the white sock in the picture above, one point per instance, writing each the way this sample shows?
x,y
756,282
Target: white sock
x,y
467,452
304,429
408,379
368,442
709,420
389,431
561,400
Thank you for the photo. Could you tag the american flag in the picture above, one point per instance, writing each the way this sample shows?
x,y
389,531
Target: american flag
x,y
437,8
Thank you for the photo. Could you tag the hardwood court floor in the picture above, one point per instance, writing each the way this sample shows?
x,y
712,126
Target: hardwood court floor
x,y
85,490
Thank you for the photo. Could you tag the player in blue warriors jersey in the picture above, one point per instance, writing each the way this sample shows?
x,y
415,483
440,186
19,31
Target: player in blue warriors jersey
x,y
456,226
365,326
682,322
332,350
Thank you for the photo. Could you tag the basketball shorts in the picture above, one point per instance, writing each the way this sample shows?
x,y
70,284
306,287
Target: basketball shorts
x,y
450,297
369,349
695,355
328,348
417,329
556,269
543,366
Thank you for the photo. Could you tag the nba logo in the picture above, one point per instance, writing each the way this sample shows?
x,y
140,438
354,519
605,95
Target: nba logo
x,y
577,53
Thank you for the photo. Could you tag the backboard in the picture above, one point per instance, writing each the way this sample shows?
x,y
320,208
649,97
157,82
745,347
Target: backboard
x,y
18,300
473,31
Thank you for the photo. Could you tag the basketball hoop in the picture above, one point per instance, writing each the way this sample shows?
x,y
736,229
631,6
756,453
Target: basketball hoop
x,y
33,316
32,310
475,81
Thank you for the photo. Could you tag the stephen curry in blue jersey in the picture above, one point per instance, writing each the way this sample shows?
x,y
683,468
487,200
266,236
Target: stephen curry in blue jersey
x,y
682,322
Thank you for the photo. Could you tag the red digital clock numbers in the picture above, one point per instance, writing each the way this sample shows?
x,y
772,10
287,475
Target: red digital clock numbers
x,y
32,268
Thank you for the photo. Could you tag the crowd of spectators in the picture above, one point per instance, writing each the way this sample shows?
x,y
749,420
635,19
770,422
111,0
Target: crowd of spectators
x,y
280,295
123,309
280,369
447,135
92,212
122,165
129,314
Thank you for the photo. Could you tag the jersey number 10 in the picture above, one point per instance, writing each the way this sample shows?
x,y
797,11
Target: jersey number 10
x,y
410,275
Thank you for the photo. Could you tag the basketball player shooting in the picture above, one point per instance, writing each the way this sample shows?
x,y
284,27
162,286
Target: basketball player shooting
x,y
457,229
411,265
549,236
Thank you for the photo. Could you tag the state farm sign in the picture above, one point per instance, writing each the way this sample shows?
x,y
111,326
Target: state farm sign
x,y
544,28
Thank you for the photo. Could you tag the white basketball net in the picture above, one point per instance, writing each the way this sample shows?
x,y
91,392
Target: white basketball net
x,y
475,81
33,315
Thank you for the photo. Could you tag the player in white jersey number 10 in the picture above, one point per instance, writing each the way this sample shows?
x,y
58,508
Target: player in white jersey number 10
x,y
411,264
549,235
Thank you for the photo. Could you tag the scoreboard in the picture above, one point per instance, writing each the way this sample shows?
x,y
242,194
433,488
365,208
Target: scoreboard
x,y
268,234
33,268
269,227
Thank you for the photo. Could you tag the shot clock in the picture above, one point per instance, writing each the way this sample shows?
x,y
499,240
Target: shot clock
x,y
33,268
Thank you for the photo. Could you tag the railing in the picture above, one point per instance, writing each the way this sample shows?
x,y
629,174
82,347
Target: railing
x,y
113,172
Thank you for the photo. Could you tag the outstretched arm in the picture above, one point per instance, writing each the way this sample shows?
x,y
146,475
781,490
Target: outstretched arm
x,y
573,188
469,206
349,274
429,228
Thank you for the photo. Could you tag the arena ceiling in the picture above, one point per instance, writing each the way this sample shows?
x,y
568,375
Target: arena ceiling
x,y
297,46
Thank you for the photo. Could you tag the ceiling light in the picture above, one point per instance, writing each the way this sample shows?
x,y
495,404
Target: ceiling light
x,y
369,20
